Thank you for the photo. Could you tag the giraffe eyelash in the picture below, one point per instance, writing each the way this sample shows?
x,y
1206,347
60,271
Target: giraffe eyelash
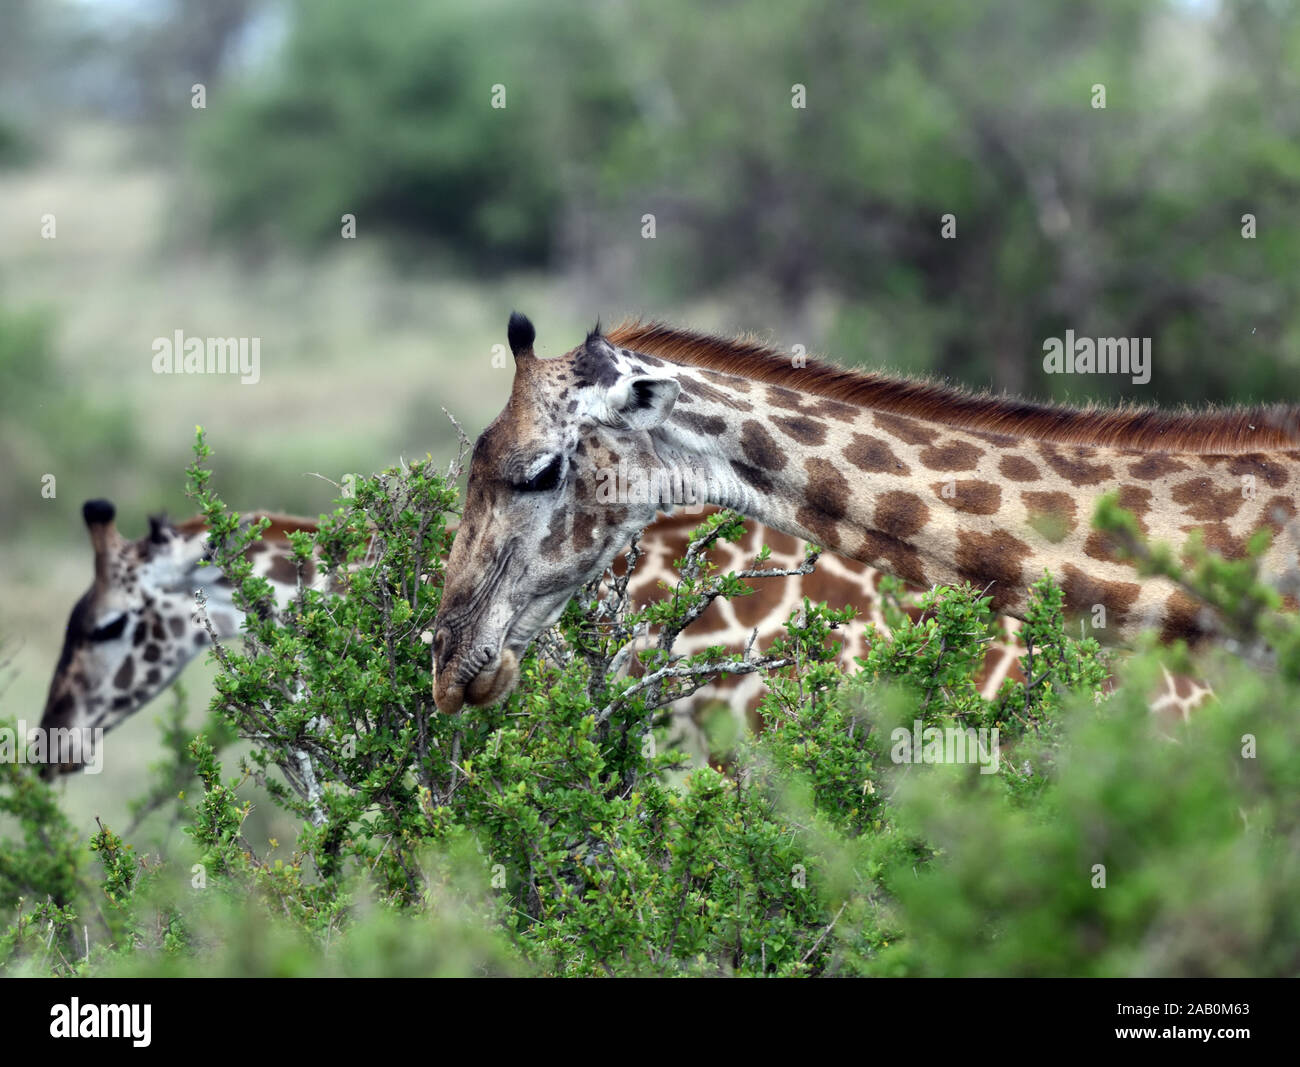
x,y
545,479
109,631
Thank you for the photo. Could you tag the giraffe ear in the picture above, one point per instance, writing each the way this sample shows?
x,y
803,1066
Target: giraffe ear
x,y
159,528
641,402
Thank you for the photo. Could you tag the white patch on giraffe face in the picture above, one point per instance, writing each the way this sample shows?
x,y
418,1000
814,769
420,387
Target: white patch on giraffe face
x,y
173,564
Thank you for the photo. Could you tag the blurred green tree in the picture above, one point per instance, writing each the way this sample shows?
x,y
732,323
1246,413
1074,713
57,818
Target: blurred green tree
x,y
1117,221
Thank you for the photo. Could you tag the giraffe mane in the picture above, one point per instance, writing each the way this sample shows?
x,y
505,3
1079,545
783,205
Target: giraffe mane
x,y
1205,431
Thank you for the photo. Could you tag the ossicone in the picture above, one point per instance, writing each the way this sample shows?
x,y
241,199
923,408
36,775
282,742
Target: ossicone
x,y
521,335
98,512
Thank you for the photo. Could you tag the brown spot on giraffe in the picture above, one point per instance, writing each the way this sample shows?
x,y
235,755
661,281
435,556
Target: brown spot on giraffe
x,y
896,556
283,570
835,410
992,561
1276,513
704,425
1272,474
584,530
951,456
1218,538
803,429
1104,546
1054,515
909,431
970,495
1018,469
1083,593
759,447
729,381
553,543
780,397
1200,500
874,456
125,674
1076,468
704,391
752,475
900,515
826,499
750,610
1157,465
1181,619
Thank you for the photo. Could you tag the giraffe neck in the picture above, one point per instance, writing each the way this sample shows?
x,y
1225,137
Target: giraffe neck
x,y
934,502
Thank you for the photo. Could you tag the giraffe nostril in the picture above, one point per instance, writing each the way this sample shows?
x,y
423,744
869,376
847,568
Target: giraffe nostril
x,y
440,648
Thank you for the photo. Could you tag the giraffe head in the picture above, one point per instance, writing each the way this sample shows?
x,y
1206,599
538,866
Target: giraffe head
x,y
535,528
133,629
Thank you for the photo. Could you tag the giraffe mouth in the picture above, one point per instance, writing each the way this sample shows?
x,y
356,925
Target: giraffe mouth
x,y
490,682
488,675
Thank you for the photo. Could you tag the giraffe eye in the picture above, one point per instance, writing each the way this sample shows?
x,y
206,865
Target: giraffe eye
x,y
544,480
110,631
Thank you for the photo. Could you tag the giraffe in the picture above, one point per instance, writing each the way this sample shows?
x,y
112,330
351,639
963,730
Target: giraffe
x,y
133,632
930,483
136,628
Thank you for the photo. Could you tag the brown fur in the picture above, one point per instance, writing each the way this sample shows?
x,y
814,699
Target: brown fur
x,y
1223,430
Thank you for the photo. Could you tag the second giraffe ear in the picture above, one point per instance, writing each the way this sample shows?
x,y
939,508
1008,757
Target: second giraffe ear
x,y
160,529
641,403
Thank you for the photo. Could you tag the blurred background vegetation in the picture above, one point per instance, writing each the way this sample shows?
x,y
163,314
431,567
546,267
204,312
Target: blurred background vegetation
x,y
817,226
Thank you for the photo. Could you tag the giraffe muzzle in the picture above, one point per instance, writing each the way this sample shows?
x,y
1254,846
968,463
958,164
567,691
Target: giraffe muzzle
x,y
490,682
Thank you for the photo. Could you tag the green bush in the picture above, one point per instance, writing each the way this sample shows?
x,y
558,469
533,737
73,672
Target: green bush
x,y
386,112
553,835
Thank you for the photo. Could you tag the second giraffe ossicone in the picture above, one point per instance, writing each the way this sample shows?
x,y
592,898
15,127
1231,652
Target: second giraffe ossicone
x,y
932,484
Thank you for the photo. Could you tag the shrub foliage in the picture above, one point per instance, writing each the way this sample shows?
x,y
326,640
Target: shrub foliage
x,y
557,832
